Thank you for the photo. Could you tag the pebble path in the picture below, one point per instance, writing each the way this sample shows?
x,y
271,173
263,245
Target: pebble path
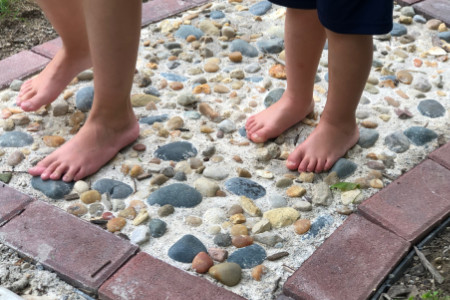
x,y
192,190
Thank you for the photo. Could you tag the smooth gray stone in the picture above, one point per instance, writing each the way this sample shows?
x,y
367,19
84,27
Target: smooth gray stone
x,y
15,139
116,189
397,142
367,137
55,189
419,136
84,98
177,195
176,151
344,168
186,248
431,108
248,257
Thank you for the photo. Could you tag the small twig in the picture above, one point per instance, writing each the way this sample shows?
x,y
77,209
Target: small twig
x,y
135,186
277,282
429,266
289,269
386,296
277,60
388,176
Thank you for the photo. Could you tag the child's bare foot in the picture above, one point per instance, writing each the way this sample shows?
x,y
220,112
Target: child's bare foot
x,y
47,86
277,118
326,144
93,146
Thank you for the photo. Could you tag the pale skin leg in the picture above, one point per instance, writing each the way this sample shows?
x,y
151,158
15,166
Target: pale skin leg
x,y
303,51
68,20
113,30
349,63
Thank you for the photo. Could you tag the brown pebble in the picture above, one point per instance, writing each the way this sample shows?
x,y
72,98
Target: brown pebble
x,y
155,160
77,209
139,147
372,155
235,57
237,159
211,67
241,241
176,86
238,219
235,209
91,196
376,183
166,210
116,224
243,173
159,179
277,256
302,226
125,169
202,88
220,193
202,262
136,170
193,221
53,140
278,71
295,191
191,38
374,174
137,204
128,213
207,111
369,124
258,271
218,254
238,229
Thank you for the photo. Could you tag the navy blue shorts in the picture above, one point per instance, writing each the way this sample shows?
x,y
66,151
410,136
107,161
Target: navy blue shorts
x,y
349,16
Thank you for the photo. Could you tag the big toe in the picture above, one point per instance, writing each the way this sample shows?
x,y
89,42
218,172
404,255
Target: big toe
x,y
30,105
36,171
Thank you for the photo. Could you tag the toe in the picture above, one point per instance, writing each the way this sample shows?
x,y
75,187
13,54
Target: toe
x,y
70,174
80,174
303,165
58,172
49,171
328,165
294,160
260,134
36,171
320,165
312,165
31,104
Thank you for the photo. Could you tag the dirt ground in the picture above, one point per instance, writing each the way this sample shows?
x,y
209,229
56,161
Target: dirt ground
x,y
22,27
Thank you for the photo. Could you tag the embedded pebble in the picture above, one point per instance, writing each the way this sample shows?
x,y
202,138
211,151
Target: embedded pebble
x,y
302,226
140,235
248,257
206,187
430,108
176,151
15,139
157,227
77,209
84,98
302,205
367,137
249,207
222,240
419,136
344,168
277,201
320,223
90,197
202,262
177,195
55,189
322,194
116,224
186,248
295,191
397,142
280,217
228,273
116,189
165,210
245,187
218,254
15,158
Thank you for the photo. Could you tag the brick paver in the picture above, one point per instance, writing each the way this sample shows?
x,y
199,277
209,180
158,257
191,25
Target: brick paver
x,y
145,277
442,156
435,9
82,254
414,203
48,49
158,10
350,263
408,2
19,66
12,202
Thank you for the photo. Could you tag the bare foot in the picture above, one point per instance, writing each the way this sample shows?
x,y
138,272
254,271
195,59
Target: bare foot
x,y
93,146
326,144
47,86
277,118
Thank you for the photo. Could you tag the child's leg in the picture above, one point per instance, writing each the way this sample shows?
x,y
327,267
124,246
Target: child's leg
x,y
67,18
113,31
304,41
349,63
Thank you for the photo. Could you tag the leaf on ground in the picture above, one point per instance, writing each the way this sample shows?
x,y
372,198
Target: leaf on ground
x,y
345,186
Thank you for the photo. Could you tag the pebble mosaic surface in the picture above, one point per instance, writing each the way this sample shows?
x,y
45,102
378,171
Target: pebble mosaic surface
x,y
193,183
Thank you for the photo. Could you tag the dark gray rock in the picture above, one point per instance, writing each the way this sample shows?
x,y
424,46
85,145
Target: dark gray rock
x,y
248,257
320,223
15,139
245,187
116,189
273,96
419,136
245,48
176,151
431,108
55,189
177,195
222,240
444,36
84,98
344,168
274,46
153,119
157,227
367,137
397,142
216,15
186,248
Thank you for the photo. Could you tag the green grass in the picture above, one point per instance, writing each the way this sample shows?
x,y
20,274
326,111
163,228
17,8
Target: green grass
x,y
6,8
430,295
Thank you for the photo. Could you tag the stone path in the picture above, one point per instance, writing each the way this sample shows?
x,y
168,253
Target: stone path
x,y
348,265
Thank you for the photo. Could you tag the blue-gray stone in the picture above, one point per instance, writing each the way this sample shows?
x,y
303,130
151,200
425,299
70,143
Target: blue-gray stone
x,y
177,195
176,151
172,45
15,139
431,108
444,36
84,98
317,79
397,142
223,240
398,30
186,248
248,257
419,136
273,96
55,189
252,68
173,64
254,79
173,77
245,187
116,189
377,63
344,168
157,227
367,137
419,19
152,119
216,14
243,132
180,176
320,223
245,48
151,90
274,46
326,77
186,30
260,8
192,115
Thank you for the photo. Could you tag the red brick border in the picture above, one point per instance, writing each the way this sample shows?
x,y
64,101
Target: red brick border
x,y
12,202
434,9
48,49
442,156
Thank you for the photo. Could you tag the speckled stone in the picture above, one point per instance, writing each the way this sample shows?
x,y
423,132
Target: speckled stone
x,y
419,136
84,98
320,223
245,187
115,188
431,108
397,142
176,151
157,227
15,139
344,168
